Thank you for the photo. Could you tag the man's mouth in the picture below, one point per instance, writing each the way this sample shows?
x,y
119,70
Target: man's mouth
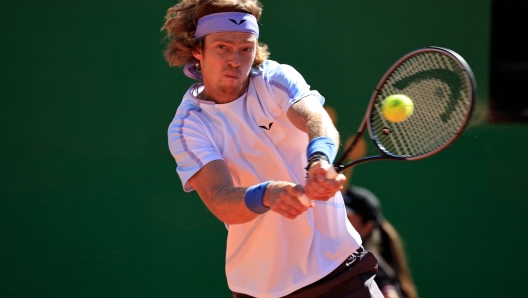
x,y
231,76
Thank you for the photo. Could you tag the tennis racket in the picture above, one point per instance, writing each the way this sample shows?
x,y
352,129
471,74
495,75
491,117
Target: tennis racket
x,y
443,89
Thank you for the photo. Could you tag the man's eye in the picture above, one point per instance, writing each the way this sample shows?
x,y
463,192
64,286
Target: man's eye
x,y
248,49
221,47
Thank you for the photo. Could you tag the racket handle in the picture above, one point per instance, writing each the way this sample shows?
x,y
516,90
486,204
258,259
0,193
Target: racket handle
x,y
304,200
331,174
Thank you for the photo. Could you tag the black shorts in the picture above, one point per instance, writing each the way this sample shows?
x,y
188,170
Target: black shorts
x,y
354,278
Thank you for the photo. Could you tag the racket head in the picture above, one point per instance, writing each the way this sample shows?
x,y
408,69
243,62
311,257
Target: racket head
x,y
443,89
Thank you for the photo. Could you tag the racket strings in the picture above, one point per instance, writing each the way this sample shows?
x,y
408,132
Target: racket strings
x,y
439,88
436,137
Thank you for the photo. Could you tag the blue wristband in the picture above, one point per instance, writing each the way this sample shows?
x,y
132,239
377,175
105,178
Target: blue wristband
x,y
324,145
254,196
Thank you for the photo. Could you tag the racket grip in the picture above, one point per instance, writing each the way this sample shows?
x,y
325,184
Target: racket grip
x,y
304,200
331,174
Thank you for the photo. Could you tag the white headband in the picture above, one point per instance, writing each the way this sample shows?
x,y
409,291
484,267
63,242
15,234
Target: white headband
x,y
227,22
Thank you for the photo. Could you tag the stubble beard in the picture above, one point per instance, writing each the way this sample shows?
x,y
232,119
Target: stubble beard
x,y
225,91
233,91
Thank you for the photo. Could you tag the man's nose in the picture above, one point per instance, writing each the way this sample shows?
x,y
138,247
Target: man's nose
x,y
234,60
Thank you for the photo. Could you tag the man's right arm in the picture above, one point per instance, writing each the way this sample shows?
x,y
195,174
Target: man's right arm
x,y
215,187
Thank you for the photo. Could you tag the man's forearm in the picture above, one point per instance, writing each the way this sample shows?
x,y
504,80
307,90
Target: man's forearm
x,y
320,125
228,205
309,116
215,187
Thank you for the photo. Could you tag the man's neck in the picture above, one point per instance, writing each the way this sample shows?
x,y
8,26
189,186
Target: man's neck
x,y
221,97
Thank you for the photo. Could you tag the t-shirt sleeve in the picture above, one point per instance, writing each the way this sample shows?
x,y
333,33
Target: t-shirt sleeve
x,y
289,86
190,145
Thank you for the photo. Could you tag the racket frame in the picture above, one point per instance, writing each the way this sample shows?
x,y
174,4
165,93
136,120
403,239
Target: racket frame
x,y
339,166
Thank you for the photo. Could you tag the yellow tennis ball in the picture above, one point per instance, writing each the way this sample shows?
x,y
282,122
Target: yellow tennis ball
x,y
397,108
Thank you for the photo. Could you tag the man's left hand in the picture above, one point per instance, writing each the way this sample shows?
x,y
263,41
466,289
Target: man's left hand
x,y
318,185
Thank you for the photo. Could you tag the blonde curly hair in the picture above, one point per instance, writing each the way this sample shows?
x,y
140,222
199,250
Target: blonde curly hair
x,y
181,21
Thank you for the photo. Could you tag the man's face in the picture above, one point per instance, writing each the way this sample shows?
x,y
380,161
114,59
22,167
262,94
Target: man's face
x,y
226,64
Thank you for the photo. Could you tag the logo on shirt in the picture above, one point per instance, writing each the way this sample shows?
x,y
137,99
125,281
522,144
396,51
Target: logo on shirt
x,y
234,21
266,128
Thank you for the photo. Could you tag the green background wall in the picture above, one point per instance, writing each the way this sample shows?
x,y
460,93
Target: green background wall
x,y
91,206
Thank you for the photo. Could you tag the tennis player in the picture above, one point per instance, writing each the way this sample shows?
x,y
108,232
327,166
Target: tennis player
x,y
242,137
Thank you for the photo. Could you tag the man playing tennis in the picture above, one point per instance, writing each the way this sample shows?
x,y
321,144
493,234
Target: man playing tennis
x,y
241,138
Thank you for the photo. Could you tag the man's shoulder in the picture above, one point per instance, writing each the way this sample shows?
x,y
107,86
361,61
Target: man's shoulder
x,y
188,117
272,71
274,68
187,109
188,103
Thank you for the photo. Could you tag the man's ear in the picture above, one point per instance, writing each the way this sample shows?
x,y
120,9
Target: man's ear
x,y
197,53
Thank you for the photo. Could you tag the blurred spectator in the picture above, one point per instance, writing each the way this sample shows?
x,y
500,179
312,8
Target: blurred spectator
x,y
379,236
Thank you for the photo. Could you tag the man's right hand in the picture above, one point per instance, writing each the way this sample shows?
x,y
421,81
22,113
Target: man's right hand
x,y
282,197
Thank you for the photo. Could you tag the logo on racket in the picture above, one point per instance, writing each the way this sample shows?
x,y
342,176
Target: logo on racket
x,y
446,78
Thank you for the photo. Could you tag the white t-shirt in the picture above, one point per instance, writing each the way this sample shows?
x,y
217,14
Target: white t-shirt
x,y
270,256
